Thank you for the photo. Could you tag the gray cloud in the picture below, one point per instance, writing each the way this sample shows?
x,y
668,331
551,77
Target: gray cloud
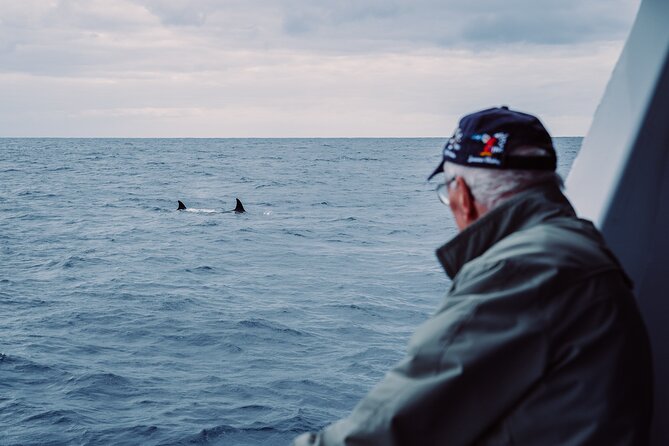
x,y
460,22
67,36
179,12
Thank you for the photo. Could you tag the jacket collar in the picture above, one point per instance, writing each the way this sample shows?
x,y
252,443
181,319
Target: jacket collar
x,y
523,210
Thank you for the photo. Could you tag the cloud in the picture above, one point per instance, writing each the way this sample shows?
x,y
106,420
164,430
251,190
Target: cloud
x,y
291,67
458,22
81,37
418,94
179,12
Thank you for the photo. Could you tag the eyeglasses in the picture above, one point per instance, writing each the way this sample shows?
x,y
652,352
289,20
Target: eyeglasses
x,y
442,191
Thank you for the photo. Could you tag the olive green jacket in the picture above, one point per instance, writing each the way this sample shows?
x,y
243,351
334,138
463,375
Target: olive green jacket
x,y
538,342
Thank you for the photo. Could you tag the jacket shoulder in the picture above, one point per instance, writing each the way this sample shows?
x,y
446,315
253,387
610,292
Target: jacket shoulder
x,y
551,256
560,242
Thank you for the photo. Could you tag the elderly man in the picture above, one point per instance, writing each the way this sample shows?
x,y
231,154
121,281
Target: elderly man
x,y
539,340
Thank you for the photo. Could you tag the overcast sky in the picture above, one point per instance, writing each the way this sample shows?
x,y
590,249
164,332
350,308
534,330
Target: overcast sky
x,y
243,68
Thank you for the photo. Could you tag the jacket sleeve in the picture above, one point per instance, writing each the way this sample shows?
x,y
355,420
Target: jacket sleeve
x,y
465,368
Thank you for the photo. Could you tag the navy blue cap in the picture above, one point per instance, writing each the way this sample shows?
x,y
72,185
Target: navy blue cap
x,y
484,138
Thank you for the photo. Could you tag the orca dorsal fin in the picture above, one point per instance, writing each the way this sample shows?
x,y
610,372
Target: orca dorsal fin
x,y
240,207
181,206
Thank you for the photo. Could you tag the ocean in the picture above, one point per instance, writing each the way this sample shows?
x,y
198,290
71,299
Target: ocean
x,y
127,322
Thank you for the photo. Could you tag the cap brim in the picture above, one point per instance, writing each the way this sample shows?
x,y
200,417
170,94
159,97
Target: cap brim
x,y
437,171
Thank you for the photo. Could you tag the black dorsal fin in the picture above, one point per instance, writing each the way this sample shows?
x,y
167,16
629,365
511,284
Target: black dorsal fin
x,y
240,207
181,206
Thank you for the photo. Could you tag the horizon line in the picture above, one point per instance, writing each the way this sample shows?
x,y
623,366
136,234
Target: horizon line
x,y
247,137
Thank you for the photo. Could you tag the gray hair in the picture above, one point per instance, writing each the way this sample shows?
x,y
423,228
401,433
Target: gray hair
x,y
491,187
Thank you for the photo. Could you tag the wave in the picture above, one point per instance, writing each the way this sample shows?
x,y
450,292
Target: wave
x,y
200,269
93,385
266,325
281,431
55,417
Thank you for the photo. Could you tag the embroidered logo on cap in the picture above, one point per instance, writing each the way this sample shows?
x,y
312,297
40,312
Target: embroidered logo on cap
x,y
453,144
493,148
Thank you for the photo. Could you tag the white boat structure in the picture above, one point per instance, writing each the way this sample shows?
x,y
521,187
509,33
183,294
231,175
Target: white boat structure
x,y
620,181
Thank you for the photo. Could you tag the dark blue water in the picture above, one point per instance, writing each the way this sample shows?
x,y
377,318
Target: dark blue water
x,y
127,322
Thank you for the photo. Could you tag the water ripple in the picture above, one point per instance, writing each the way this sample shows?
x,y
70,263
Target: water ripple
x,y
125,322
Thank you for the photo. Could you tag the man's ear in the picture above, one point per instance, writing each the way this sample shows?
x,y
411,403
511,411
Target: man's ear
x,y
466,204
464,197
